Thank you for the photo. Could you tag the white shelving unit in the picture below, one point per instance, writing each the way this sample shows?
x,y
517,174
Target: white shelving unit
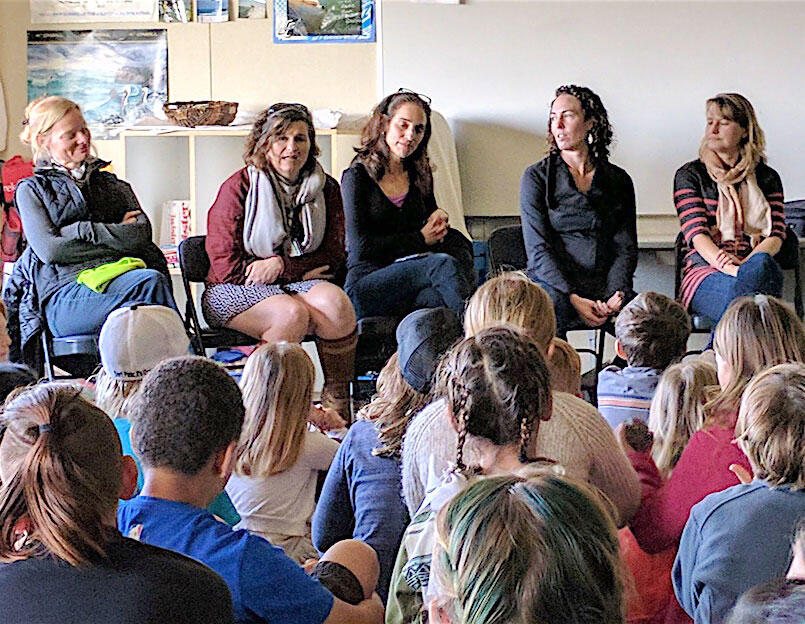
x,y
192,163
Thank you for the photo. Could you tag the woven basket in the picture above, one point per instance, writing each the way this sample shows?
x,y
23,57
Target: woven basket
x,y
191,114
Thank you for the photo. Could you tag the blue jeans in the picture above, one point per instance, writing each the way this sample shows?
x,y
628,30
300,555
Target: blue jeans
x,y
759,274
402,287
77,309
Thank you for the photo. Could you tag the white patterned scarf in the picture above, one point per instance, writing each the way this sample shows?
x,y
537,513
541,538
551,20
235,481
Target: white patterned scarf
x,y
281,217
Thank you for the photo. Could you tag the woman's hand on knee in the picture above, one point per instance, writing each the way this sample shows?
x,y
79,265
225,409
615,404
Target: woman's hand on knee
x,y
322,272
264,271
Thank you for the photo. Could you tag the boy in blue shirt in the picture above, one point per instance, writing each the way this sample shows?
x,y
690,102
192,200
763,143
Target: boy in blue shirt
x,y
186,424
741,536
652,332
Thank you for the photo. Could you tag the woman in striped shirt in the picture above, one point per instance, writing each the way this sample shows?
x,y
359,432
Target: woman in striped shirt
x,y
730,207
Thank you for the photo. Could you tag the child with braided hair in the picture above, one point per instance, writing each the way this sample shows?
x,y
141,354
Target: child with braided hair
x,y
497,389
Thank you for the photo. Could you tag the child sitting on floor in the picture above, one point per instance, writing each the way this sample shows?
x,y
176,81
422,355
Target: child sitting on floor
x,y
278,459
652,332
677,412
62,559
677,409
186,423
497,389
361,494
740,537
134,340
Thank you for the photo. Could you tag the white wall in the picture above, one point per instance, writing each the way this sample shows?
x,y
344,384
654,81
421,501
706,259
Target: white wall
x,y
491,68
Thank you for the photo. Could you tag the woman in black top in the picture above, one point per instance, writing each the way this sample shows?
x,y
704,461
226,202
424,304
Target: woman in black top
x,y
578,215
402,253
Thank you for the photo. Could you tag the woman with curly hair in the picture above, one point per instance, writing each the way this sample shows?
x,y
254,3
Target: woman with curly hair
x,y
399,240
578,215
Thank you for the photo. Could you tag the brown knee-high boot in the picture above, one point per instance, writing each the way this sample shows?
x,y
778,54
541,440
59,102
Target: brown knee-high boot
x,y
337,359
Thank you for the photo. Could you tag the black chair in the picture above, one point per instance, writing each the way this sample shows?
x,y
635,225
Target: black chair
x,y
788,258
79,352
194,265
506,251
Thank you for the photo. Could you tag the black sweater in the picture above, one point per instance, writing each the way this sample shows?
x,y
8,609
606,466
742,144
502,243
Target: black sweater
x,y
378,232
582,243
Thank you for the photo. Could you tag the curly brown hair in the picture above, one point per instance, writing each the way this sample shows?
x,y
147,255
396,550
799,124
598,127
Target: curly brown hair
x,y
600,135
374,153
270,124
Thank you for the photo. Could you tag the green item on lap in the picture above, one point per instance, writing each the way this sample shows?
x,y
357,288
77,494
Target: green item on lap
x,y
98,278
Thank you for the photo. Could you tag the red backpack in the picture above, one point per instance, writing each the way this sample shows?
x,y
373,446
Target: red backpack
x,y
12,240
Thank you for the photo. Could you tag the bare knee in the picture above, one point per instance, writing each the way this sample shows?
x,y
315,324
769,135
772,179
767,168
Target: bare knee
x,y
288,320
296,319
331,306
359,558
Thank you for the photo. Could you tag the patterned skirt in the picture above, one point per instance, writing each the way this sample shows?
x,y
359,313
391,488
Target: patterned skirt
x,y
220,303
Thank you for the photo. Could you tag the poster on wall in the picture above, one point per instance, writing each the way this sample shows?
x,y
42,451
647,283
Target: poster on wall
x,y
324,21
68,11
116,76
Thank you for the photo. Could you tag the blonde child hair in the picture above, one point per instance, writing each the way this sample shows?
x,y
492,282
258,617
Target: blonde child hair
x,y
565,366
677,409
115,396
39,118
754,334
771,425
392,408
512,298
277,387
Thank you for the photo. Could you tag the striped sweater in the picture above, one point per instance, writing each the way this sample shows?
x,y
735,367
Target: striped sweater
x,y
696,200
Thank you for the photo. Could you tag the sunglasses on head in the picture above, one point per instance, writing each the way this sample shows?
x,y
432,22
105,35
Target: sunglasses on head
x,y
295,106
424,98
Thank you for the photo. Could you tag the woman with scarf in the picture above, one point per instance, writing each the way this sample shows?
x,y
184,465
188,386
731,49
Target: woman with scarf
x,y
730,207
90,249
275,236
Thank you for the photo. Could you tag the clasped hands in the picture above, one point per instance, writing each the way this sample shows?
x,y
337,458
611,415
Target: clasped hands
x,y
435,228
268,270
728,263
595,313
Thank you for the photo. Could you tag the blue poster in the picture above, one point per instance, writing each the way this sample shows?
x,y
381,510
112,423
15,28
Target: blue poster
x,y
116,76
324,21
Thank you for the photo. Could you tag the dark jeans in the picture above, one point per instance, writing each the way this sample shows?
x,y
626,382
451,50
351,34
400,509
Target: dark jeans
x,y
402,287
77,309
759,274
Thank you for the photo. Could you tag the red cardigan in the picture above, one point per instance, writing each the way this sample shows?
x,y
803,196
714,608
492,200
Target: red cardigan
x,y
702,469
228,258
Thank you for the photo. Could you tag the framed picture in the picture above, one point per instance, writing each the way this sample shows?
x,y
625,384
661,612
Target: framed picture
x,y
116,76
324,21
